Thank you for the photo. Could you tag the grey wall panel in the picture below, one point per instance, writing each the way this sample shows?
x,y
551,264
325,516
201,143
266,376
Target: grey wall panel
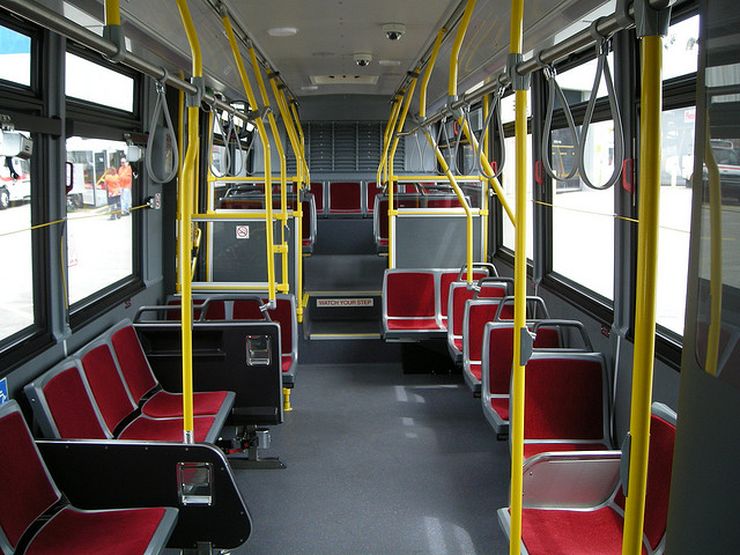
x,y
434,242
339,107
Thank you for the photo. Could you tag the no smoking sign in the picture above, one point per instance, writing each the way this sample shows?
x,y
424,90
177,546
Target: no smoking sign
x,y
242,232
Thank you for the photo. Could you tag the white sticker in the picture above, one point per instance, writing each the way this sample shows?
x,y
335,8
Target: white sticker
x,y
242,232
344,303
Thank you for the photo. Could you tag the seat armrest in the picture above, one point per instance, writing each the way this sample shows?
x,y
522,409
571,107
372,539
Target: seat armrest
x,y
570,480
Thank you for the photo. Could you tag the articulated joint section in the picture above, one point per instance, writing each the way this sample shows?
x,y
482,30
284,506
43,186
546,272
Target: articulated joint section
x,y
651,22
194,100
527,345
519,82
114,34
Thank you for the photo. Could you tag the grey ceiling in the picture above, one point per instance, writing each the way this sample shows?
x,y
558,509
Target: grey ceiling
x,y
330,31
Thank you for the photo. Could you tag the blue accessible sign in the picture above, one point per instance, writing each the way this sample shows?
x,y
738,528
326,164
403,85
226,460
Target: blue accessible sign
x,y
4,391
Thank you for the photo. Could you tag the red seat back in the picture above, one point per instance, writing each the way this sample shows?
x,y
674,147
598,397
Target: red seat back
x,y
345,198
479,314
383,218
446,279
106,385
317,189
28,490
660,467
247,309
132,360
410,295
460,294
306,221
283,314
216,310
564,398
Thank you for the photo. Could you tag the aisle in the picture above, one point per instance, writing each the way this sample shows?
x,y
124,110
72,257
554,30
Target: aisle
x,y
379,463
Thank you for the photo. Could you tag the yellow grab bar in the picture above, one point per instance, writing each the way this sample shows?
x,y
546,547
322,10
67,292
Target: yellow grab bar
x,y
283,166
647,265
457,45
487,153
428,72
391,162
262,132
113,12
185,206
390,126
520,286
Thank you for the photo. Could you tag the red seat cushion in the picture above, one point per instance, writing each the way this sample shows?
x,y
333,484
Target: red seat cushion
x,y
572,532
119,532
148,429
474,368
164,404
383,242
501,406
405,324
286,362
27,490
532,449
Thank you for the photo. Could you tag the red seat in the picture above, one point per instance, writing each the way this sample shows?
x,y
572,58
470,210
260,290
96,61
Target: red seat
x,y
345,198
410,305
141,382
214,311
29,492
553,530
372,192
458,294
477,313
170,430
317,190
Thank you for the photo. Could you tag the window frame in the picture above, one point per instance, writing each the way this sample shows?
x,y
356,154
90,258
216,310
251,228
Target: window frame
x,y
83,119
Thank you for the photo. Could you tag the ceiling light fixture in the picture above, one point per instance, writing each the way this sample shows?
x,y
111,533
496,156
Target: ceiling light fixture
x,y
310,88
282,31
389,63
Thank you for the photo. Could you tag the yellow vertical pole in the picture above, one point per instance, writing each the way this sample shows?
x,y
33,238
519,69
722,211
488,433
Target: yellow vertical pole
x,y
711,360
452,94
382,174
520,283
113,12
297,147
185,207
284,251
264,139
647,265
299,127
391,161
484,183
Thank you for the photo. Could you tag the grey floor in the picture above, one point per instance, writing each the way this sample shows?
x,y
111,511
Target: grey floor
x,y
379,462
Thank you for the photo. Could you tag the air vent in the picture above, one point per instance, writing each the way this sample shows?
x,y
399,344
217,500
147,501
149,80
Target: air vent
x,y
343,79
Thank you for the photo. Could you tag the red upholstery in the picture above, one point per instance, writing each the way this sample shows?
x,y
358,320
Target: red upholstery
x,y
256,203
134,366
532,449
345,198
475,370
383,243
27,490
446,279
306,223
501,354
494,291
164,404
247,309
283,315
478,316
459,296
410,294
443,203
572,532
372,192
564,399
500,358
107,386
407,324
501,406
317,189
383,221
660,467
119,532
286,361
71,408
149,429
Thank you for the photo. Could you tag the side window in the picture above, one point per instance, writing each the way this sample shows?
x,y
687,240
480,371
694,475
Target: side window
x,y
15,57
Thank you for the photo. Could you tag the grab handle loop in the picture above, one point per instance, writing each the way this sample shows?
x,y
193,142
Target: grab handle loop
x,y
161,106
498,167
554,91
602,68
227,153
